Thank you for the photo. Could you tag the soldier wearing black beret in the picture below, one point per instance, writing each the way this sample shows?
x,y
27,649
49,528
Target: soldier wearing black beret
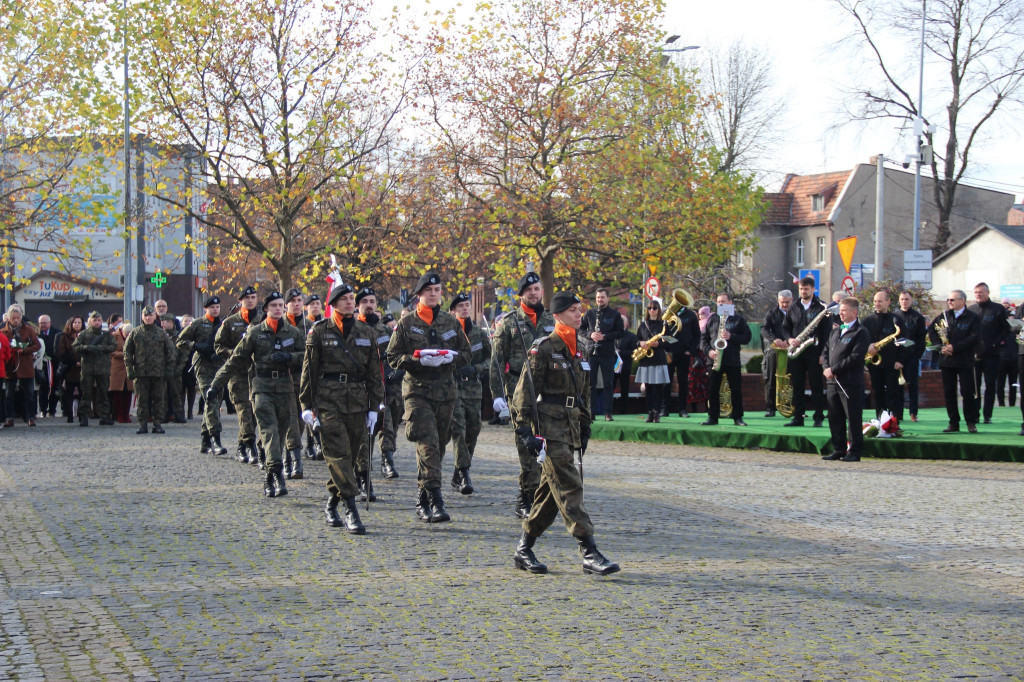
x,y
230,334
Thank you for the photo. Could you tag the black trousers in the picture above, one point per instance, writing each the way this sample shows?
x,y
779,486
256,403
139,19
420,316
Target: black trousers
x,y
769,367
987,367
681,365
803,369
20,392
912,374
602,400
846,417
1007,375
734,377
885,391
965,375
622,381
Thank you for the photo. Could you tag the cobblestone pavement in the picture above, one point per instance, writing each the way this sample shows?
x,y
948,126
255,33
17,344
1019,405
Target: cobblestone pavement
x,y
135,557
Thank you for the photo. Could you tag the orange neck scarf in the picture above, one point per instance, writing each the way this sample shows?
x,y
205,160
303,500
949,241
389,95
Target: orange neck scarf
x,y
424,313
463,323
311,318
211,319
244,312
338,319
567,334
361,318
530,313
273,324
294,319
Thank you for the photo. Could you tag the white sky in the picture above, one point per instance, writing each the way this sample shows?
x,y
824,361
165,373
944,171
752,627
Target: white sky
x,y
801,34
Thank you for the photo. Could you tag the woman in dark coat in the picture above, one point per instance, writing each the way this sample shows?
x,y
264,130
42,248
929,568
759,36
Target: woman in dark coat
x,y
69,366
121,387
698,397
653,372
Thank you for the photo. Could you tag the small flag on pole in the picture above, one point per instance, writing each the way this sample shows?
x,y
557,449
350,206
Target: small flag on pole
x,y
333,280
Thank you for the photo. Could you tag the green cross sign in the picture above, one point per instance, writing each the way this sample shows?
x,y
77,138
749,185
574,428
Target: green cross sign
x,y
159,279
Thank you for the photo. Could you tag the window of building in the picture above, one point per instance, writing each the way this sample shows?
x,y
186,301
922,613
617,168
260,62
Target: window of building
x,y
821,250
739,259
817,202
799,251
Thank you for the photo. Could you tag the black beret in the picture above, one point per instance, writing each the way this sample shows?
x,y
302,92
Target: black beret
x,y
429,279
213,300
529,279
563,300
460,298
274,296
293,293
248,291
337,292
387,318
312,297
149,310
364,292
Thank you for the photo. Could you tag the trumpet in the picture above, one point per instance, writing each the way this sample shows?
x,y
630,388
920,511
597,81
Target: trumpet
x,y
876,359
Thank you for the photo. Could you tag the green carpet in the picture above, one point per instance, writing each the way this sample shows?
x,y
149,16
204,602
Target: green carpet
x,y
996,442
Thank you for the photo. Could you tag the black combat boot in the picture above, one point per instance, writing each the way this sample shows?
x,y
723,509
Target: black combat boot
x,y
296,471
387,465
365,486
157,428
83,419
331,512
423,505
461,482
143,428
250,452
593,560
287,464
650,417
523,503
215,446
309,446
524,557
268,484
277,469
205,448
352,523
243,452
261,456
437,511
107,422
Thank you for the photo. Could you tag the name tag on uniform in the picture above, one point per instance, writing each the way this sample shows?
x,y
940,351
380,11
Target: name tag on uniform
x,y
450,334
381,340
549,328
415,330
477,346
558,356
287,342
585,366
363,342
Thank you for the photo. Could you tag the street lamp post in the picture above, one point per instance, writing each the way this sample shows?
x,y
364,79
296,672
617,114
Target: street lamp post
x,y
918,131
129,285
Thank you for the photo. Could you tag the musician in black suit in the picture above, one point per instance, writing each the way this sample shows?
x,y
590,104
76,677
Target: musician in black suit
x,y
843,362
773,336
684,350
885,376
993,330
602,327
735,333
806,366
914,329
956,360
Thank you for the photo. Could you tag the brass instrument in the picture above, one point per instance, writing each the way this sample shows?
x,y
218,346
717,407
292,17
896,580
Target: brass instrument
x,y
680,299
725,399
876,359
942,329
641,353
806,337
720,345
783,387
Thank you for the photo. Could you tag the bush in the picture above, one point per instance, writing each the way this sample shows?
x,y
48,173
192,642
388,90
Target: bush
x,y
753,365
923,300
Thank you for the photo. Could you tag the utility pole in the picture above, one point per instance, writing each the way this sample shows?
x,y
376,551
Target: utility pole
x,y
880,217
918,131
129,284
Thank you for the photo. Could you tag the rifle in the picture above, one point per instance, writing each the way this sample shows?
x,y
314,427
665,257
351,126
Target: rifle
x,y
533,391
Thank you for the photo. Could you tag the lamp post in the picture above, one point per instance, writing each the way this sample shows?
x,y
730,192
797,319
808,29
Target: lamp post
x,y
129,285
918,131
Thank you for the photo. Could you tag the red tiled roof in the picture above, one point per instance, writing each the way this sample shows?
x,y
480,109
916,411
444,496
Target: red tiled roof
x,y
801,188
779,208
1016,216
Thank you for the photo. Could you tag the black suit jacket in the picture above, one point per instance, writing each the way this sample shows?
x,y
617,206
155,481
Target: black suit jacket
x,y
880,325
773,327
608,321
914,328
993,329
797,320
687,336
844,354
739,334
963,333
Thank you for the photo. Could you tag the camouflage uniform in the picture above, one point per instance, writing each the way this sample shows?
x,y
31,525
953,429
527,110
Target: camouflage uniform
x,y
466,419
293,439
94,347
341,379
386,424
508,349
197,341
176,404
150,357
228,337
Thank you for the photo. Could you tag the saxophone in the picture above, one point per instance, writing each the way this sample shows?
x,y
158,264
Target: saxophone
x,y
724,393
806,337
876,359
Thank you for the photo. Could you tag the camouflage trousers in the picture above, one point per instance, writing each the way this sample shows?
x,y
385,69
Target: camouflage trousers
x,y
151,393
343,435
293,439
465,429
560,491
529,469
429,425
175,403
238,391
211,412
94,394
275,413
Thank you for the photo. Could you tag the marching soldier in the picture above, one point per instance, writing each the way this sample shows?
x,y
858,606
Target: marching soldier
x,y
956,360
314,310
228,337
150,357
466,419
293,452
508,356
560,399
366,302
197,340
423,345
735,332
273,348
175,403
342,388
393,405
885,376
807,365
843,362
95,345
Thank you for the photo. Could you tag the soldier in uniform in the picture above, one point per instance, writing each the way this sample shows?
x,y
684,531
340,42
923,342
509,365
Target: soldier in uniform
x,y
228,337
393,405
293,441
175,403
366,303
466,418
274,350
342,388
314,311
150,357
422,345
94,346
197,340
508,356
559,396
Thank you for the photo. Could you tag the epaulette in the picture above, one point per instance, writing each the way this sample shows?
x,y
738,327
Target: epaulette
x,y
322,320
540,340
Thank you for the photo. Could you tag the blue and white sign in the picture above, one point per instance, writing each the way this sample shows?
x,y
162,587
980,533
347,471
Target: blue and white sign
x,y
816,274
1015,291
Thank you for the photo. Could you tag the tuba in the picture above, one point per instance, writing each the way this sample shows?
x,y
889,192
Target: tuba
x,y
783,386
680,299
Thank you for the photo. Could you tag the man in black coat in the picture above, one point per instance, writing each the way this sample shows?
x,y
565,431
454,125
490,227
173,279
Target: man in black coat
x,y
885,376
913,328
687,336
46,376
603,328
625,345
956,360
843,361
773,336
735,332
994,328
807,366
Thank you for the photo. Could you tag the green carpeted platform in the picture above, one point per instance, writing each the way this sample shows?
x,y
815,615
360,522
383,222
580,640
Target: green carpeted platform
x,y
997,442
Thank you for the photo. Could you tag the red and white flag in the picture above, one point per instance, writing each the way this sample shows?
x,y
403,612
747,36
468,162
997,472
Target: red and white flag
x,y
333,280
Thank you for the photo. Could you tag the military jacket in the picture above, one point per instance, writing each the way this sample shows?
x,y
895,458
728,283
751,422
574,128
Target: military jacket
x,y
508,349
562,385
180,355
341,375
231,332
480,350
197,340
148,352
94,347
393,385
254,352
413,334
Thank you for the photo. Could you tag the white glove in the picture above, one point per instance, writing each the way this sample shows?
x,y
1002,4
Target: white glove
x,y
371,421
307,416
432,360
500,405
445,359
